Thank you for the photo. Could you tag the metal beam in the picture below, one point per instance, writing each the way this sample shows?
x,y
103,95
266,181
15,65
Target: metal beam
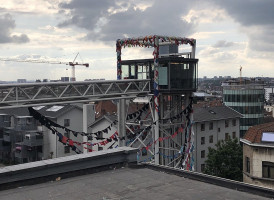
x,y
48,93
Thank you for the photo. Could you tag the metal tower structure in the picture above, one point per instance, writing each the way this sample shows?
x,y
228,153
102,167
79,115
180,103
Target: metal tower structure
x,y
165,137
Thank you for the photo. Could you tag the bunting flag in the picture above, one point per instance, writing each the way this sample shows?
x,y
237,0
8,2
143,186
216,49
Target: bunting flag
x,y
66,141
156,74
47,122
138,113
148,41
187,160
186,151
186,112
160,139
119,52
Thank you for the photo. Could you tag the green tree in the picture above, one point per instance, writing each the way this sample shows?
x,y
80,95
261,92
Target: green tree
x,y
226,160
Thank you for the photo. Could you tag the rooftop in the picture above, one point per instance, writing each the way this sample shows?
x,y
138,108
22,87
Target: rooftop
x,y
254,133
125,183
214,113
49,111
114,174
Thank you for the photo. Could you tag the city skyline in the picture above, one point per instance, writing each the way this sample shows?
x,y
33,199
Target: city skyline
x,y
229,35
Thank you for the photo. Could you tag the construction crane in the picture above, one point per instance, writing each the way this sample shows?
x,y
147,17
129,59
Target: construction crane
x,y
72,64
241,74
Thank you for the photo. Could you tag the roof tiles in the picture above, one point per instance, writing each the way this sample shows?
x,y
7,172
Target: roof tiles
x,y
254,133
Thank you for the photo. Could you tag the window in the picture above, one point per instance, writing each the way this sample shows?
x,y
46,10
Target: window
x,y
227,136
211,139
268,169
203,154
233,135
28,120
27,136
100,148
67,149
211,126
66,122
247,164
226,123
202,127
234,122
202,167
202,140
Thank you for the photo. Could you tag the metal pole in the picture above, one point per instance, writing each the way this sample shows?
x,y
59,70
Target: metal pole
x,y
121,110
88,118
156,99
119,67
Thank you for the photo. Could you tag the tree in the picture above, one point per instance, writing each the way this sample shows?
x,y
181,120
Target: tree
x,y
226,160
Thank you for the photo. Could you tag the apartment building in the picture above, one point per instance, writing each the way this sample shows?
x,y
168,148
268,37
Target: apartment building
x,y
23,139
213,124
258,155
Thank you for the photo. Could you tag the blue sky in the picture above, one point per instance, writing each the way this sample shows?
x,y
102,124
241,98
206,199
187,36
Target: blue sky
x,y
228,33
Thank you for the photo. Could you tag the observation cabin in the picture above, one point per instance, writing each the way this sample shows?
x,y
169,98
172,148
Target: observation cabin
x,y
177,72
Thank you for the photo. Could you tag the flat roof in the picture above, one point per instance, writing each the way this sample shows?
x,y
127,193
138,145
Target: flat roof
x,y
125,183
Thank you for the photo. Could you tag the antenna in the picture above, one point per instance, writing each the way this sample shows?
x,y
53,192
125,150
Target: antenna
x,y
241,74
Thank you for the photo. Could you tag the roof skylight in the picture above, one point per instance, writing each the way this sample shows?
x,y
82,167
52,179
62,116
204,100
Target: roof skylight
x,y
55,108
268,137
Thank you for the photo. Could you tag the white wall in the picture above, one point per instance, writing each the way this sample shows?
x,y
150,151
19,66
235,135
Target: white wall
x,y
99,126
51,143
257,155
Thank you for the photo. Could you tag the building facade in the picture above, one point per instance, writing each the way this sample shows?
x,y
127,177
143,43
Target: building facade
x,y
213,124
23,139
247,98
269,94
258,155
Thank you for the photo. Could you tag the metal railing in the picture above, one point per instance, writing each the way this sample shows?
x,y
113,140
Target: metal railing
x,y
48,93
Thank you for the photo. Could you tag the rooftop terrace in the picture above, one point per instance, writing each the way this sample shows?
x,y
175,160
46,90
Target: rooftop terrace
x,y
115,175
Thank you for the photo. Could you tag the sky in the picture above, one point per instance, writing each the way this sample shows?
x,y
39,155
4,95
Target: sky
x,y
229,34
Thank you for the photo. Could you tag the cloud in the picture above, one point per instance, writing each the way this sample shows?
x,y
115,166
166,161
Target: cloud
x,y
85,13
249,12
223,43
256,19
7,24
109,20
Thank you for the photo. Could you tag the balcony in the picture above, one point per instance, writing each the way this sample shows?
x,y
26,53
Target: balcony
x,y
4,147
7,134
20,152
33,139
6,137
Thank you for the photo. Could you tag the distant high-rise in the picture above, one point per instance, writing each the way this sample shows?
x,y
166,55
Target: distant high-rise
x,y
21,80
269,94
65,79
246,97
